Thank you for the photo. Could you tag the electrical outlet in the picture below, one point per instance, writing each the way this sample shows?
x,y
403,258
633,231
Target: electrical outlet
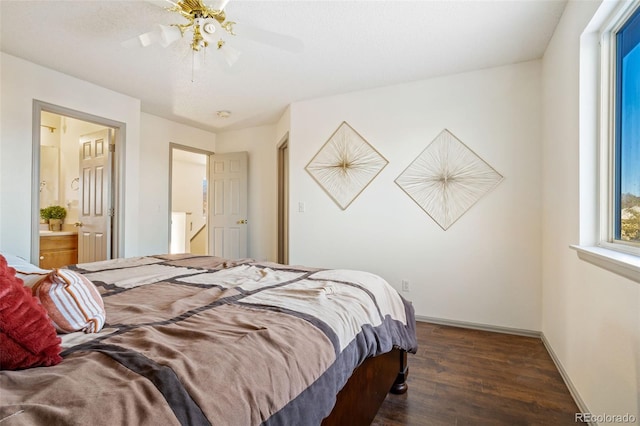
x,y
405,285
301,207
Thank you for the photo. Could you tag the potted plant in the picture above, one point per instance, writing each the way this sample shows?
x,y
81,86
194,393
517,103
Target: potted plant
x,y
54,215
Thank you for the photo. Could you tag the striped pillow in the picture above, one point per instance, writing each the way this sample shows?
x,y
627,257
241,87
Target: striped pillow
x,y
72,301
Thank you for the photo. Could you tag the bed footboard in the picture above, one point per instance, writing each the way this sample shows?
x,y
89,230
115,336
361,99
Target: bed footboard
x,y
400,384
359,400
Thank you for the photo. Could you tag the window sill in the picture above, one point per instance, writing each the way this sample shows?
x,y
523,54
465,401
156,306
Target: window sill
x,y
623,264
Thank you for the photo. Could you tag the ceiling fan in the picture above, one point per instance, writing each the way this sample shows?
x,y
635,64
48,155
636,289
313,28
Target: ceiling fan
x,y
208,26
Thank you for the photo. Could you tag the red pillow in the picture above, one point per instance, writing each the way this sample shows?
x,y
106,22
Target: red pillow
x,y
27,336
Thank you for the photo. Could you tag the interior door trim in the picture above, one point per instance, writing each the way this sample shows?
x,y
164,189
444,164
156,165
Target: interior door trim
x,y
283,200
120,131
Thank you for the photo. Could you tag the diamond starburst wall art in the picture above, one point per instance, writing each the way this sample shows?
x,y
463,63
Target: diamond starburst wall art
x,y
447,178
345,165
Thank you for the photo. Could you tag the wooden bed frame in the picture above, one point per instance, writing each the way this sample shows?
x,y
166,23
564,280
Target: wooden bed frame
x,y
358,402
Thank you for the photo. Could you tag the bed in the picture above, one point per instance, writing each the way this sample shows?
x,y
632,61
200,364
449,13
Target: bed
x,y
201,340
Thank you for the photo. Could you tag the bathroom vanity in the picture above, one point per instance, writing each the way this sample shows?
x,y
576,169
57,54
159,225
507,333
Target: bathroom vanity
x,y
58,249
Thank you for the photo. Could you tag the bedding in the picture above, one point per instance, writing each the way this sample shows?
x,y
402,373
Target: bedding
x,y
200,340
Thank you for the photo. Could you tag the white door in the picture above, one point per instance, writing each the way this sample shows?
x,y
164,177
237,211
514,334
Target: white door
x,y
94,227
229,205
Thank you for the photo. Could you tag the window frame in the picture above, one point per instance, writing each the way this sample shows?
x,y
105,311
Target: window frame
x,y
596,121
609,124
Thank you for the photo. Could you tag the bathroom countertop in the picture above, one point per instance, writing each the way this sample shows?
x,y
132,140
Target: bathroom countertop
x,y
44,233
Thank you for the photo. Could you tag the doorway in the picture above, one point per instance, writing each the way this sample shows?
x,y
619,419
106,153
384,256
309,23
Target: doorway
x,y
283,201
62,140
188,200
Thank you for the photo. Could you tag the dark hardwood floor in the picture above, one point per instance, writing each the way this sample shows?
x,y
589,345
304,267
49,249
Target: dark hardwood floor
x,y
471,377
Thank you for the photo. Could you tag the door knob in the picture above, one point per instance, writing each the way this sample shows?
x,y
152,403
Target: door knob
x,y
242,222
78,224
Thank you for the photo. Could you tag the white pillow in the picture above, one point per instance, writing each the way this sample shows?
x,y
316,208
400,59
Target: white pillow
x,y
13,260
27,272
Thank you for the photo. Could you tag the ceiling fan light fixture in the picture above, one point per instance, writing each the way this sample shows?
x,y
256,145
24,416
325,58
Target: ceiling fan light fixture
x,y
204,23
230,54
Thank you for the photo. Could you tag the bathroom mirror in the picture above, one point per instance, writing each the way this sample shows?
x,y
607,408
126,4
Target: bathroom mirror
x,y
49,175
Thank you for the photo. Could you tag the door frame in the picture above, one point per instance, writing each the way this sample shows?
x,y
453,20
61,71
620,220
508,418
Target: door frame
x,y
187,148
283,200
118,178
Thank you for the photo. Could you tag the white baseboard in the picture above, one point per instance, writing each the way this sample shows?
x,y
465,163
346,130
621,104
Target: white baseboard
x,y
518,332
477,326
567,381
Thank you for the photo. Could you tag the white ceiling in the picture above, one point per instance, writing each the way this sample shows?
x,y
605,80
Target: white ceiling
x,y
349,45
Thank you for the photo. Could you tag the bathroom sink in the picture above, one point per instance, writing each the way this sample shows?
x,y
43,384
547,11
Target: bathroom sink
x,y
46,232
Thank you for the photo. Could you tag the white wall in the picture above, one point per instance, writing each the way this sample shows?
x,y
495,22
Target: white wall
x,y
20,83
590,317
260,143
485,268
155,136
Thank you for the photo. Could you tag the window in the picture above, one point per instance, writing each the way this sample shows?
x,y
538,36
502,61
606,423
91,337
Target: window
x,y
610,139
626,166
619,173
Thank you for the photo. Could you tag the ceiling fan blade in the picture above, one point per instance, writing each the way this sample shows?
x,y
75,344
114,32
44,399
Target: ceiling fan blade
x,y
218,4
162,3
131,43
281,41
143,40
